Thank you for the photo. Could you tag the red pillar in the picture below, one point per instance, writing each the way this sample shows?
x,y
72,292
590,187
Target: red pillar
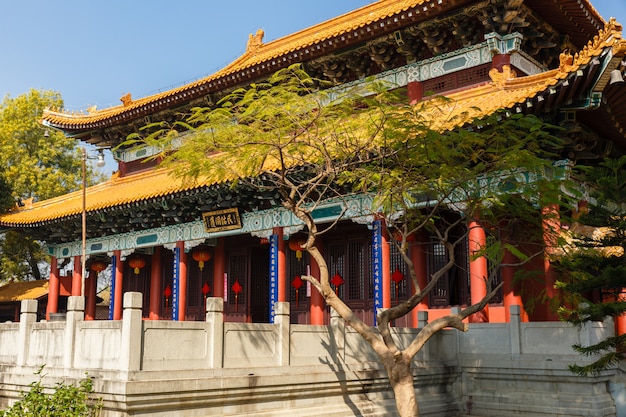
x,y
420,264
282,265
317,301
620,324
415,91
77,277
118,276
478,270
53,288
386,266
91,285
511,295
551,230
155,284
219,268
500,60
182,281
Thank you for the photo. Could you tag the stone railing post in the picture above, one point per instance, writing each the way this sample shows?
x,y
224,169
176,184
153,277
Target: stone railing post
x,y
215,320
515,329
281,319
75,313
422,321
338,336
130,357
28,315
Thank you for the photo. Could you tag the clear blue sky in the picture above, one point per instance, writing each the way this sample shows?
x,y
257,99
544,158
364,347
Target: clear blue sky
x,y
95,51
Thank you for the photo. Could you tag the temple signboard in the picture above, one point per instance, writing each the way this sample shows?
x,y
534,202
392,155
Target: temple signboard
x,y
220,220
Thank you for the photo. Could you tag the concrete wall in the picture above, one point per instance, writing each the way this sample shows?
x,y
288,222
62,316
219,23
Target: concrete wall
x,y
166,368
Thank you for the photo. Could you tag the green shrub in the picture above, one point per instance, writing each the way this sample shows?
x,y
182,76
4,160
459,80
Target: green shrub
x,y
62,400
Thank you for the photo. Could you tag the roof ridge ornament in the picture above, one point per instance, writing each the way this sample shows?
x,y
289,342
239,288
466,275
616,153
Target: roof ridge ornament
x,y
126,100
499,79
255,41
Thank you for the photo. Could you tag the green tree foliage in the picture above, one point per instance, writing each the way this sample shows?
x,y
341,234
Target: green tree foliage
x,y
594,270
38,163
61,400
6,193
305,143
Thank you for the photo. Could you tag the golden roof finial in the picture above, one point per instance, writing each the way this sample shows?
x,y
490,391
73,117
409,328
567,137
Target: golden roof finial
x,y
499,78
565,60
126,100
255,41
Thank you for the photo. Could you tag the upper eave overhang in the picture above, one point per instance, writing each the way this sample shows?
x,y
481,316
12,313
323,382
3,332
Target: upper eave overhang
x,y
356,27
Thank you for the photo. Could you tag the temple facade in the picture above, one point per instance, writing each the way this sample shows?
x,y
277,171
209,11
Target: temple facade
x,y
179,243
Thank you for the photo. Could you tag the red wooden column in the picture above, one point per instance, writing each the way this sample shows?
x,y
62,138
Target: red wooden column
x,y
77,277
118,277
219,268
282,265
478,270
511,293
420,264
386,265
551,230
182,281
53,288
415,90
316,306
91,285
155,284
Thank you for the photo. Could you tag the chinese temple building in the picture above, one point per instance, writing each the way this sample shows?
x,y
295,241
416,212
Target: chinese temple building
x,y
178,243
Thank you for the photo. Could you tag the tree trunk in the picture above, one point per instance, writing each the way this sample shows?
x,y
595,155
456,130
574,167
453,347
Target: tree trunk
x,y
401,379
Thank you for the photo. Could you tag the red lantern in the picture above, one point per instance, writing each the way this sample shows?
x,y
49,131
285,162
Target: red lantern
x,y
201,255
167,293
98,266
136,263
236,289
297,283
296,244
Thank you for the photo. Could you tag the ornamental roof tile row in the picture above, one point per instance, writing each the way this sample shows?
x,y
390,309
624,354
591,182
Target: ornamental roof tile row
x,y
381,12
505,91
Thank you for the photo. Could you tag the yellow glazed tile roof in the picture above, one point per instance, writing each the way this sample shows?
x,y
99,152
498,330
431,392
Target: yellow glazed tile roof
x,y
18,291
504,91
257,53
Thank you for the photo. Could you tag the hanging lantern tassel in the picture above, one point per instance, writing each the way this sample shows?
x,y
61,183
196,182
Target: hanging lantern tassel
x,y
297,283
205,290
167,293
336,280
237,289
397,277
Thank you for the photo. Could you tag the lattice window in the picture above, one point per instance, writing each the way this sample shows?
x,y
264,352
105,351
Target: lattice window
x,y
473,75
453,287
359,276
237,273
396,262
337,264
297,267
196,280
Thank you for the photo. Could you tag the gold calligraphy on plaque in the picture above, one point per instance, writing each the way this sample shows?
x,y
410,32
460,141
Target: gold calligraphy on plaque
x,y
220,220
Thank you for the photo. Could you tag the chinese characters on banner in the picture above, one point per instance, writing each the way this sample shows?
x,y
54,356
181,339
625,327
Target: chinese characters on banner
x,y
377,259
175,283
273,274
